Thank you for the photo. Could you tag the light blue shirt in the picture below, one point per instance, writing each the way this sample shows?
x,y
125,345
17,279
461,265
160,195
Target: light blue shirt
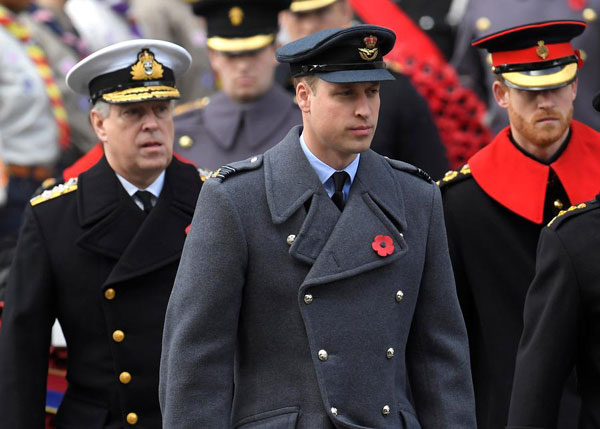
x,y
324,171
155,188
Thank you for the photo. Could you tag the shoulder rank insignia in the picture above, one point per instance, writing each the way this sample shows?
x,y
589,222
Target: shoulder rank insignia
x,y
204,174
408,168
453,175
57,191
228,170
562,214
192,105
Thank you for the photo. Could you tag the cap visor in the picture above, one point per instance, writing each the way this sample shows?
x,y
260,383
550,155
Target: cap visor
x,y
530,82
143,93
350,76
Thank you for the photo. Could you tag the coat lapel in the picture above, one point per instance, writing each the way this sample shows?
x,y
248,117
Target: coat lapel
x,y
291,185
159,239
336,245
115,227
375,207
107,215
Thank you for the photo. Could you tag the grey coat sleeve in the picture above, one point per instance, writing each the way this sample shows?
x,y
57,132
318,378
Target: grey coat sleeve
x,y
196,373
28,316
437,349
548,346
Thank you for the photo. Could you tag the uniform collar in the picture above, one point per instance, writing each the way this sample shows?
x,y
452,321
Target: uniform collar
x,y
155,188
518,182
224,118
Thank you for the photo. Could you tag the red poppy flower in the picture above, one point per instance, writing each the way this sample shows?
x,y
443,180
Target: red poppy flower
x,y
383,245
187,229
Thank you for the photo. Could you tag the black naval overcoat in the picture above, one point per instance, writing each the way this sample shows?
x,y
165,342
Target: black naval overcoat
x,y
90,257
494,215
561,323
405,129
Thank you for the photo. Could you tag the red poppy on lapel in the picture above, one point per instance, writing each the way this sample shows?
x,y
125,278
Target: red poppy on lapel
x,y
187,229
383,245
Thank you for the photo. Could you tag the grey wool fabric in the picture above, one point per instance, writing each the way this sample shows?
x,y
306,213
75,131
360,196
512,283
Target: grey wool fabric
x,y
265,330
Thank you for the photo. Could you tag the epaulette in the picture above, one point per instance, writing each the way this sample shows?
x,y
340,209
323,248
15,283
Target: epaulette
x,y
455,176
403,166
229,170
55,192
192,105
571,212
204,174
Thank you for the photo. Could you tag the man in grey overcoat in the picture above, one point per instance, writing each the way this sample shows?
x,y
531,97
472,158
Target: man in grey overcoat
x,y
315,289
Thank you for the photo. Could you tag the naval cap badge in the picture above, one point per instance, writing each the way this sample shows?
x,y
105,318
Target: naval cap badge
x,y
147,67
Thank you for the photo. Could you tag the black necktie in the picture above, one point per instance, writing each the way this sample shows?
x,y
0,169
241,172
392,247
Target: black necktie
x,y
339,179
146,198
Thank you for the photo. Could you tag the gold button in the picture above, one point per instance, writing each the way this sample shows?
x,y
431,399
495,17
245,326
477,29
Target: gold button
x,y
290,239
334,411
132,418
110,293
118,336
589,14
254,159
323,356
558,204
483,23
125,377
186,142
308,299
399,295
583,55
389,353
385,410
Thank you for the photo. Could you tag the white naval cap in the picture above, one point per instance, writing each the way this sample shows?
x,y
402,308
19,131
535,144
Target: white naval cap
x,y
131,71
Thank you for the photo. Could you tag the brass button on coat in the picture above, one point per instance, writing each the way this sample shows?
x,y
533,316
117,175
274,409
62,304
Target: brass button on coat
x,y
323,356
558,204
110,293
308,298
386,410
118,336
132,418
290,239
125,377
399,295
589,14
389,353
334,411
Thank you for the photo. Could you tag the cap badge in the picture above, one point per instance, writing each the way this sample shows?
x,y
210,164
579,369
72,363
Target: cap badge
x,y
542,50
147,67
370,52
236,16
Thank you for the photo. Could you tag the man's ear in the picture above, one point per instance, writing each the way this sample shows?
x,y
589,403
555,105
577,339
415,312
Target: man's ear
x,y
501,94
304,95
574,88
97,121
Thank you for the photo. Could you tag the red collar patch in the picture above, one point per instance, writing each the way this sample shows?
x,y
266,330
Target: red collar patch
x,y
519,183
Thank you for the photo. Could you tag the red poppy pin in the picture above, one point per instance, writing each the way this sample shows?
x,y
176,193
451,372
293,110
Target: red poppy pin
x,y
383,245
187,229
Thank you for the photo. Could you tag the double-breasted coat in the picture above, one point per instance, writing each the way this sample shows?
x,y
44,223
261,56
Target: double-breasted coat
x,y
282,296
91,258
561,323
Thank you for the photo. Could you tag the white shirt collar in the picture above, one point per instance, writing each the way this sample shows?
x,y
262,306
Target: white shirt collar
x,y
155,188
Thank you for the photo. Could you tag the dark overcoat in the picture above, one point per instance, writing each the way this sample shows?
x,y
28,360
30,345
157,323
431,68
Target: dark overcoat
x,y
562,323
283,297
495,208
91,258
